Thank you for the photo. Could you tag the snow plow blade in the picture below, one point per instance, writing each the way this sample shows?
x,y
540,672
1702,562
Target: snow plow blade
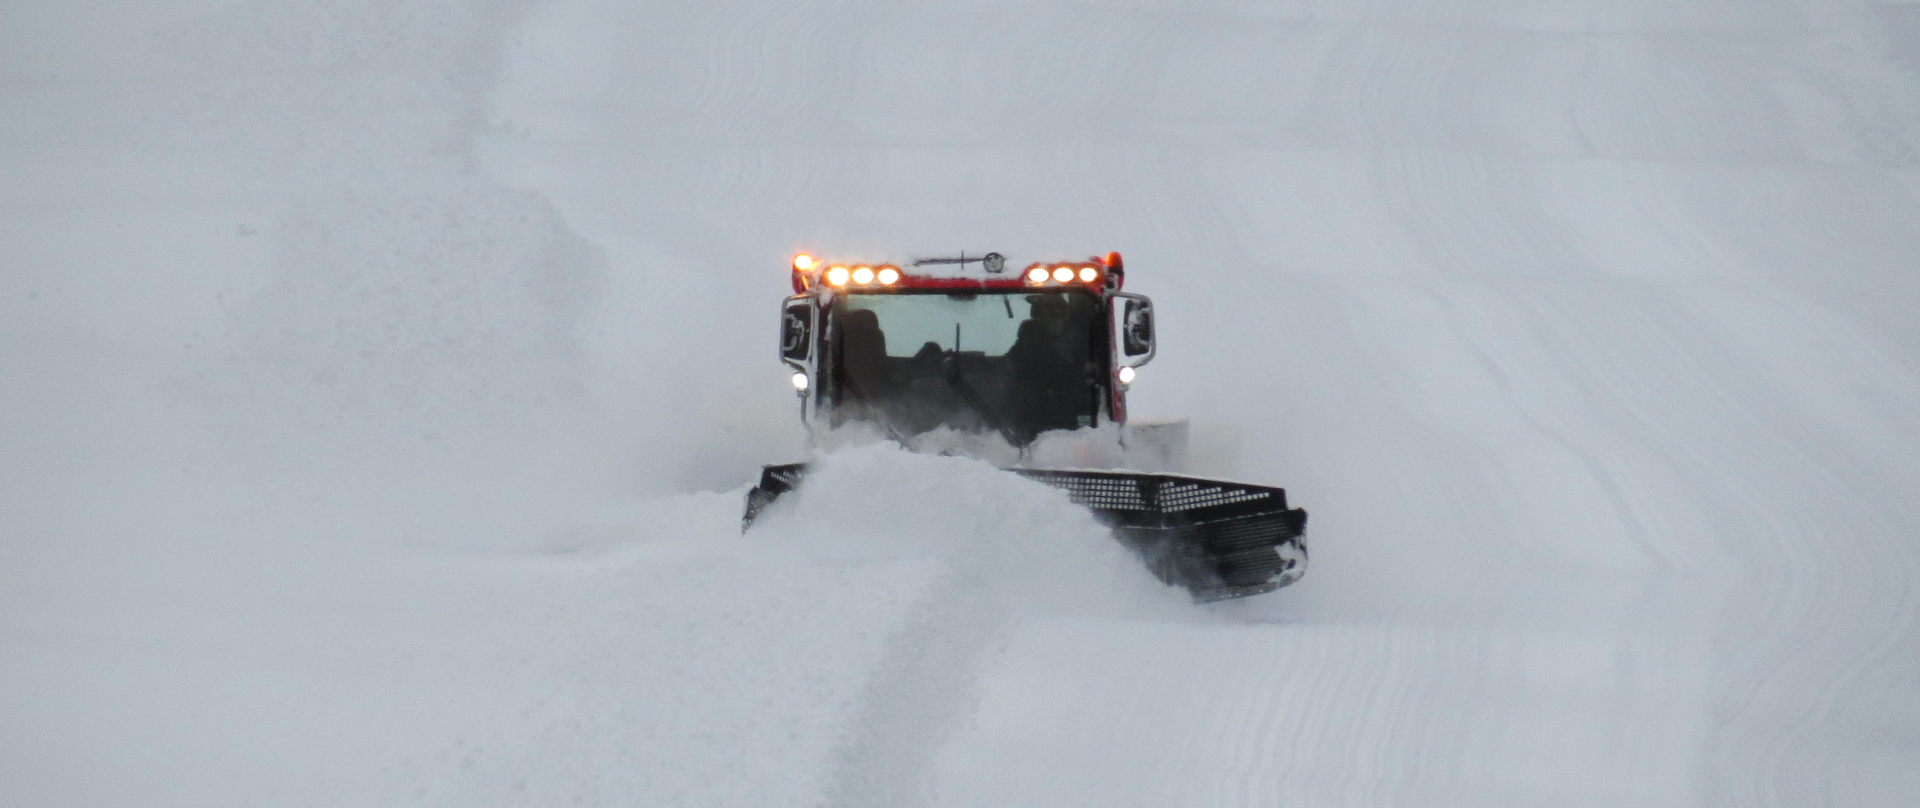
x,y
1218,539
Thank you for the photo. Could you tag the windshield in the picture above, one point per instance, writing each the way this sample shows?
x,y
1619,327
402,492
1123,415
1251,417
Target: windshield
x,y
987,324
1016,363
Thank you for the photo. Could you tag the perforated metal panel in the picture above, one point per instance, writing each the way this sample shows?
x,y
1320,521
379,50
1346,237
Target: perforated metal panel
x,y
1124,491
1103,492
1185,496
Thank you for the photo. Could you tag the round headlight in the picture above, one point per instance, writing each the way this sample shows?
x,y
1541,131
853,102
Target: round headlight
x,y
1087,274
837,276
1126,375
1063,273
863,275
803,262
800,382
888,276
1037,275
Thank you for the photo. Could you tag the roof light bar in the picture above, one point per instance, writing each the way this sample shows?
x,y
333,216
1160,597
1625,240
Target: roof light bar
x,y
1040,274
809,271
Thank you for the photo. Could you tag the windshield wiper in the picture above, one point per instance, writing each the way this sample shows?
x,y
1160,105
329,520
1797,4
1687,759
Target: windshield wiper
x,y
878,413
972,397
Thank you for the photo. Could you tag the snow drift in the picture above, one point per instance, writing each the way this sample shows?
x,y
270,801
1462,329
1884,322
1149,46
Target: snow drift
x,y
365,365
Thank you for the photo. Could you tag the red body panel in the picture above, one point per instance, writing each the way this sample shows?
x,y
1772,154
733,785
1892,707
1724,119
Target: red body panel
x,y
910,281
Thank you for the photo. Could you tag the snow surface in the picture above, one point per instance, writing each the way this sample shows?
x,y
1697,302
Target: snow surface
x,y
378,382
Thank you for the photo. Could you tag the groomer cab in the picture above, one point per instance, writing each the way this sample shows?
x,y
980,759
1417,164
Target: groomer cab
x,y
964,343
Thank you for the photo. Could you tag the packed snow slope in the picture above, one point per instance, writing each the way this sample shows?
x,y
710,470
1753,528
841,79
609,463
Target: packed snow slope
x,y
377,382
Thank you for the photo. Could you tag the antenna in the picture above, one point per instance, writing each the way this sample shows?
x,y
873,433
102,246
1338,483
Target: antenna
x,y
992,262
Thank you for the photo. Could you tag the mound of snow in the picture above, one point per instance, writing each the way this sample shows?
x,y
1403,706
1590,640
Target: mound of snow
x,y
1022,542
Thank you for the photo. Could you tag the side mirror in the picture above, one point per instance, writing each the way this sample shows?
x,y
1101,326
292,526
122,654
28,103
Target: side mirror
x,y
1133,329
796,330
